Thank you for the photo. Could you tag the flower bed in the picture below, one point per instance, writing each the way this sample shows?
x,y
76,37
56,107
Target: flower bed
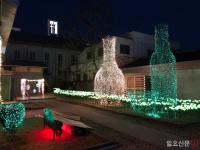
x,y
142,105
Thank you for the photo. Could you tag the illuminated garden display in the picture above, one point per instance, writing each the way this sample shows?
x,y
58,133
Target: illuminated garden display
x,y
160,102
109,79
12,115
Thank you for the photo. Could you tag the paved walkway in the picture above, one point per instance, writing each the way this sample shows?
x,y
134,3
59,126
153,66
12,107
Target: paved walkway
x,y
117,122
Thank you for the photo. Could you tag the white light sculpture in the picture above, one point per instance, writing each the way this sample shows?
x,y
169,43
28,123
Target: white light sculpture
x,y
109,79
39,86
0,67
23,87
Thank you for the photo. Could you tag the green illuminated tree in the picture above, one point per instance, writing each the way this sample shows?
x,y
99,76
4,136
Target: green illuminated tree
x,y
163,67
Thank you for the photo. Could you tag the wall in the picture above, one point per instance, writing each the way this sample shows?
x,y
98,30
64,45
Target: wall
x,y
188,78
6,87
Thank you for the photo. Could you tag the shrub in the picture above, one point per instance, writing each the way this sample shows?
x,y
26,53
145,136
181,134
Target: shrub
x,y
12,115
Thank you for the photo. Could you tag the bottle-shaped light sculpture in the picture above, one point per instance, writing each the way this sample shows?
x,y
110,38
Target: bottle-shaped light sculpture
x,y
163,67
109,79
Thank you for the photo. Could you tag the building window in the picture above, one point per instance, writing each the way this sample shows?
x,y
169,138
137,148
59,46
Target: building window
x,y
26,54
85,77
147,83
78,77
130,82
73,60
52,27
89,55
46,59
100,52
17,54
94,74
59,61
124,49
136,82
32,56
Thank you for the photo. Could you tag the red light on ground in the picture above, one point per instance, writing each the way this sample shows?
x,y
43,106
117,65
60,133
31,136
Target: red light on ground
x,y
46,134
67,129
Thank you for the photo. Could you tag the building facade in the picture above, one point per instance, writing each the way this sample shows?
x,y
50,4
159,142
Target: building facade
x,y
49,54
130,47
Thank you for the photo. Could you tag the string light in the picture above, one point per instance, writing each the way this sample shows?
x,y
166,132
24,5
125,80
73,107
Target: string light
x,y
141,104
12,115
109,79
25,86
138,103
163,67
48,115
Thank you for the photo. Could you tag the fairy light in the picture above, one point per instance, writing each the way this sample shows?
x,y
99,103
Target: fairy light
x,y
138,103
163,67
40,86
12,115
48,115
109,79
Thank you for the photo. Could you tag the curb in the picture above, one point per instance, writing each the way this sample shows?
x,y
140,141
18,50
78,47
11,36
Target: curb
x,y
104,146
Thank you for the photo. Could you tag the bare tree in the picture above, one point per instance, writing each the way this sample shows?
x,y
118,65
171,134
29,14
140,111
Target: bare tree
x,y
93,22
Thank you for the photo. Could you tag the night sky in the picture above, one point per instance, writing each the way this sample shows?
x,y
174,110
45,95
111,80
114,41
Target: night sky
x,y
183,17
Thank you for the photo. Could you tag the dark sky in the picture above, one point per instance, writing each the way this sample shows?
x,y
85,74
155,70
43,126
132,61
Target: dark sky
x,y
182,16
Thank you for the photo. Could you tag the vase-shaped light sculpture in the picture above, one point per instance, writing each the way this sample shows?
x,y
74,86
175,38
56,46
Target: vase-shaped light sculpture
x,y
163,67
109,79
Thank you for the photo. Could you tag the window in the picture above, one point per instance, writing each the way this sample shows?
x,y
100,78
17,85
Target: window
x,y
124,49
73,60
26,54
59,61
32,56
136,82
100,52
85,77
147,83
94,74
52,27
130,82
89,55
46,59
78,77
17,54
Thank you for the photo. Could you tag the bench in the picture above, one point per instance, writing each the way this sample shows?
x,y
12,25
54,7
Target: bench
x,y
55,125
79,128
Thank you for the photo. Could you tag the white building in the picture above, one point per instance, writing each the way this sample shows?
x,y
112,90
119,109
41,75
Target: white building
x,y
47,52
